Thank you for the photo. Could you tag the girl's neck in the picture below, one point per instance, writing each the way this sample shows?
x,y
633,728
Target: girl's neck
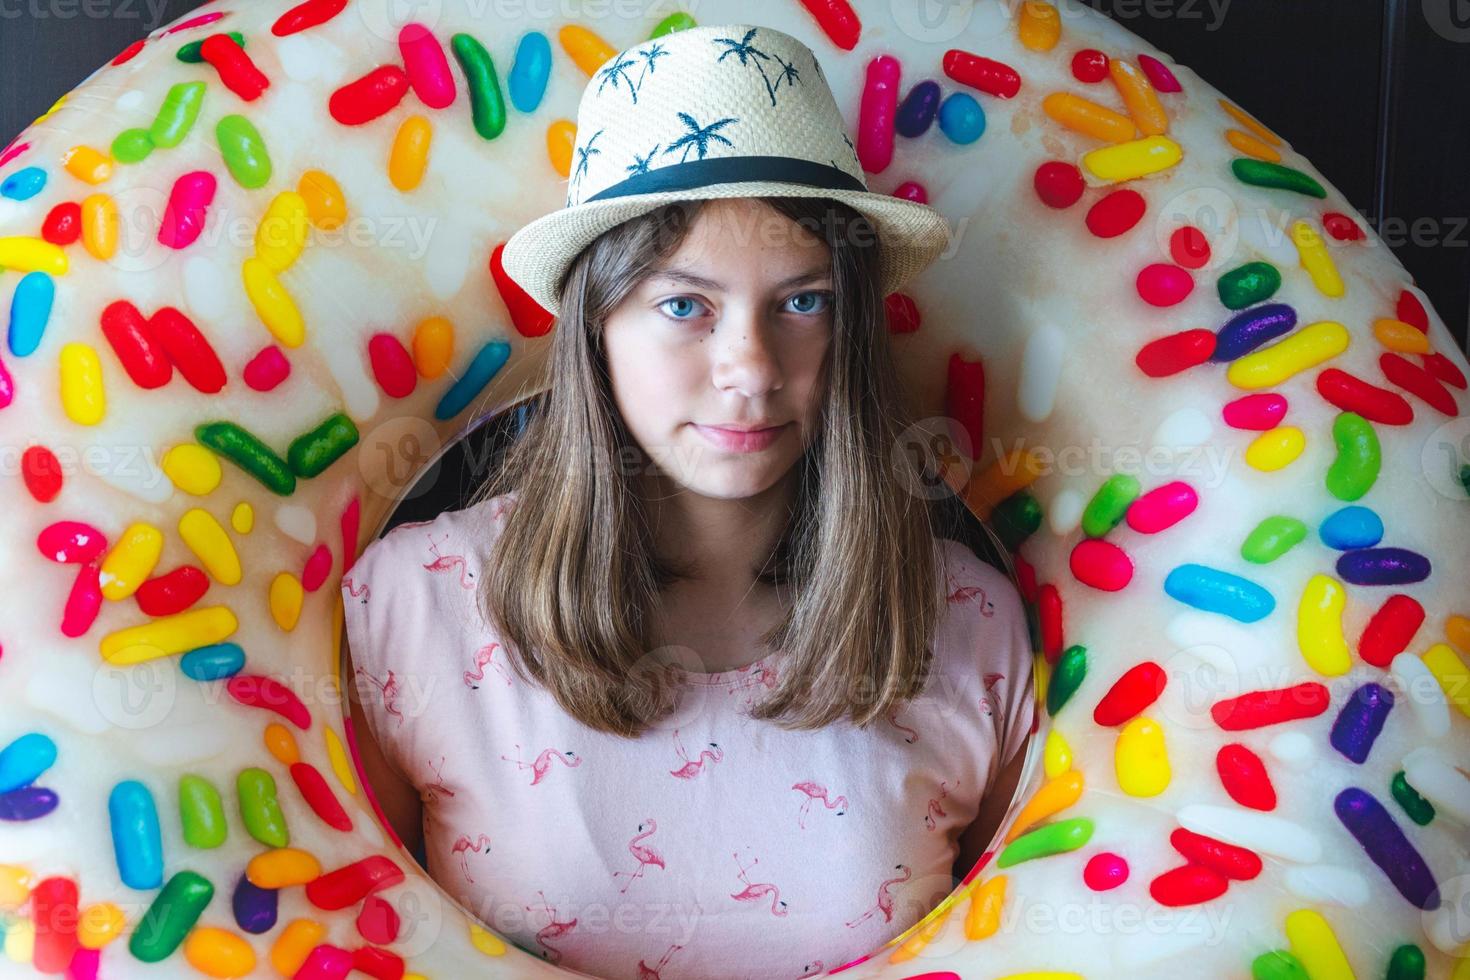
x,y
721,540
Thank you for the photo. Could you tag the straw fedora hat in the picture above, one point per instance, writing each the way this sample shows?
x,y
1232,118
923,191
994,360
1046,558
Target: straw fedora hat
x,y
731,110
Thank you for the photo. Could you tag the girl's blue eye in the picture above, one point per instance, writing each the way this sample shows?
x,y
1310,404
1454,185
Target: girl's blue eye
x,y
825,295
679,299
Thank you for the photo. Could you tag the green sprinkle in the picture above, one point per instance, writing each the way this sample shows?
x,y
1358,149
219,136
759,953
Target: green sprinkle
x,y
1016,518
674,22
1420,810
201,812
1278,964
173,913
259,808
1406,963
176,117
131,146
1355,469
1465,477
1272,538
1066,677
189,53
249,453
313,451
1108,506
244,151
1261,173
487,105
1054,838
1248,284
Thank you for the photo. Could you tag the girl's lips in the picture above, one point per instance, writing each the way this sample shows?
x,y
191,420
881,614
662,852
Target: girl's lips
x,y
740,442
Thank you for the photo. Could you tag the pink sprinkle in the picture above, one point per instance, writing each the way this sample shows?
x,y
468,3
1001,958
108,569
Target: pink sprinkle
x,y
1105,871
876,113
349,526
184,215
267,369
7,385
427,68
392,365
84,601
71,542
1158,75
1162,507
257,691
199,21
1257,412
83,965
325,963
12,151
1101,564
1162,284
318,567
911,190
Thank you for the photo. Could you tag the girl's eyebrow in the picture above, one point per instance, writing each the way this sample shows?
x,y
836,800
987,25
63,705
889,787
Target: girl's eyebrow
x,y
688,278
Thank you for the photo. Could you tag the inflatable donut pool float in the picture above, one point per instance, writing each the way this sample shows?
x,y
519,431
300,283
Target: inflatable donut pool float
x,y
253,285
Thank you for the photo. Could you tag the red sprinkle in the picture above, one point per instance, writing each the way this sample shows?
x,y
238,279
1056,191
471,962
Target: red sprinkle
x,y
991,77
130,52
964,401
1116,213
318,567
529,317
903,313
42,473
1101,564
236,70
377,922
133,339
189,350
1341,227
912,190
71,542
1419,382
267,369
1049,611
1443,368
1352,394
319,797
63,224
1187,884
378,963
1058,184
1105,871
1139,687
54,913
1410,310
1162,507
1176,352
1226,860
83,602
258,691
1158,74
351,883
172,592
1257,412
1162,284
1189,247
392,365
837,20
370,96
1390,629
1244,777
1257,709
308,14
1089,65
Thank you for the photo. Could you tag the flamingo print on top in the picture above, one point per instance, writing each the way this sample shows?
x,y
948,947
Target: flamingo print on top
x,y
714,846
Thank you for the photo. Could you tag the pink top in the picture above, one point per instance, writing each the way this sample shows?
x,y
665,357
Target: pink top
x,y
713,846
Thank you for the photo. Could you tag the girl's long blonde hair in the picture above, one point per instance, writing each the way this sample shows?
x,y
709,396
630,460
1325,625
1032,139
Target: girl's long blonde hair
x,y
573,580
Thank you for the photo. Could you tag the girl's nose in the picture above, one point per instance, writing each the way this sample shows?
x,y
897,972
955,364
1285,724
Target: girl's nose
x,y
745,356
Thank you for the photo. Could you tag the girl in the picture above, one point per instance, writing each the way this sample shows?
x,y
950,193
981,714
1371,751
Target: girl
x,y
691,688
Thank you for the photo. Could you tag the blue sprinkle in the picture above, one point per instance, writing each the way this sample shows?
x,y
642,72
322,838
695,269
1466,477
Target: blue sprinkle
x,y
213,662
487,362
1374,828
24,759
1360,720
27,803
1382,566
254,907
529,72
1250,329
30,310
23,184
1214,590
1352,527
136,842
961,118
916,112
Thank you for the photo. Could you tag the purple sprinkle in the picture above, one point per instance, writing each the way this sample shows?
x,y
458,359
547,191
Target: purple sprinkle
x,y
916,112
27,803
1367,820
1251,328
255,907
1360,720
1382,566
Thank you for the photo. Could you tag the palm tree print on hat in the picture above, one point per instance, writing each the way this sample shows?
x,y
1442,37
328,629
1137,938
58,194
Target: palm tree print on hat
x,y
583,152
699,136
640,164
618,70
748,55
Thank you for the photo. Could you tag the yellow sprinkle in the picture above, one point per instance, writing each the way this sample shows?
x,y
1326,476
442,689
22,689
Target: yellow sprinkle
x,y
168,635
1314,943
282,744
1400,336
910,945
1139,96
433,346
99,924
1251,146
26,254
87,164
54,106
337,757
1056,755
1087,117
1316,259
1136,158
1053,797
281,234
217,952
282,867
131,561
1042,975
1275,448
1246,120
486,941
294,944
242,518
325,204
1289,356
986,900
15,885
101,225
1319,633
561,140
273,304
1140,758
409,157
20,940
82,393
587,50
1452,674
286,597
192,468
211,542
1018,468
1040,25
